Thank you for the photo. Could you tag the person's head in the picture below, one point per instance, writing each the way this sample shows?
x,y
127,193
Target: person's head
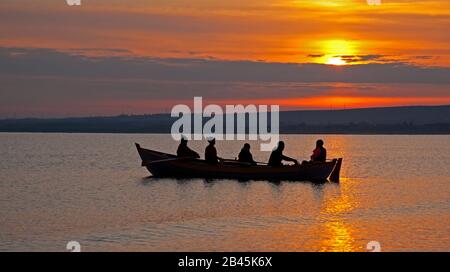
x,y
280,146
212,141
319,143
246,147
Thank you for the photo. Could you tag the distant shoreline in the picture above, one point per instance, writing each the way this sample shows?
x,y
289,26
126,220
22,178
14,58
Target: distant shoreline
x,y
414,120
314,111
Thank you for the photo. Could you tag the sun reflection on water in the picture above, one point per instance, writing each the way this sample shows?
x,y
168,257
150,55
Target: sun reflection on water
x,y
338,233
340,237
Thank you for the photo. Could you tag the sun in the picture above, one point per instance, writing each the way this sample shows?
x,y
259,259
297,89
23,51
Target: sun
x,y
335,61
334,50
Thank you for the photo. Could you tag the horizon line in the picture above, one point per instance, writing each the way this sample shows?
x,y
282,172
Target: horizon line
x,y
168,113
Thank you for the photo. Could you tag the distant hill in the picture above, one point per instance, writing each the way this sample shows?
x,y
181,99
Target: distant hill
x,y
418,115
394,120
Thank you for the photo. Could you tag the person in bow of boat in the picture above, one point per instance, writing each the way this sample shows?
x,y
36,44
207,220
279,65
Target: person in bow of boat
x,y
320,153
277,157
245,155
211,152
184,151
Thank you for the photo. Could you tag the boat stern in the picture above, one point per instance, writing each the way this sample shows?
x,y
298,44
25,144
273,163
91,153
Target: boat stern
x,y
335,174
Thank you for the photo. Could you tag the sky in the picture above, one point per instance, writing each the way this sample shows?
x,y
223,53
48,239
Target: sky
x,y
109,57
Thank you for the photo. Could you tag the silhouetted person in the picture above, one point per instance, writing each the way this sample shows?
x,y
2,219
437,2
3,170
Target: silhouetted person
x,y
245,155
184,151
277,156
211,152
320,153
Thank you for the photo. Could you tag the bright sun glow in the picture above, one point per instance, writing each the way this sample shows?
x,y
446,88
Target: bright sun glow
x,y
335,61
333,50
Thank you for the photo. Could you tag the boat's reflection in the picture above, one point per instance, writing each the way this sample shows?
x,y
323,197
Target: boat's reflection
x,y
333,230
317,185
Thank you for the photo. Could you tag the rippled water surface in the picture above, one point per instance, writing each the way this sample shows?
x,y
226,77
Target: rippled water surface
x,y
90,188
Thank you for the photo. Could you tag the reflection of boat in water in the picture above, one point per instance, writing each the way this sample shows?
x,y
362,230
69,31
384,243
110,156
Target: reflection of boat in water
x,y
166,165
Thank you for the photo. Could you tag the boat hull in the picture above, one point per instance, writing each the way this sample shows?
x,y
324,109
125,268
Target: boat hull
x,y
161,164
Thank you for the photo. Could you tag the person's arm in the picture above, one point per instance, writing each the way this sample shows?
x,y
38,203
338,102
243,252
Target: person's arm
x,y
316,153
286,158
217,157
251,159
240,156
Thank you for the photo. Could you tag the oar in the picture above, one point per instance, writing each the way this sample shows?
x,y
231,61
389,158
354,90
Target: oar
x,y
265,163
236,161
168,160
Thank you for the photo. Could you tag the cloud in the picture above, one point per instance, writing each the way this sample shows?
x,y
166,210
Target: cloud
x,y
315,55
47,82
362,58
49,62
423,57
100,51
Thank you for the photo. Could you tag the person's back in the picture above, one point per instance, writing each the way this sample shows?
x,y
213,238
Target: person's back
x,y
211,153
184,151
320,153
245,155
276,158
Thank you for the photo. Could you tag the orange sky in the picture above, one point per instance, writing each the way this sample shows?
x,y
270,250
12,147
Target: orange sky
x,y
271,30
334,32
343,102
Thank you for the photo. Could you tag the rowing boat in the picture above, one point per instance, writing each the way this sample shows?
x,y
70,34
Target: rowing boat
x,y
161,164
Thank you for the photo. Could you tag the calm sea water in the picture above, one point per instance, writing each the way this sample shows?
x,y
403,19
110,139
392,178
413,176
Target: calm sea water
x,y
55,188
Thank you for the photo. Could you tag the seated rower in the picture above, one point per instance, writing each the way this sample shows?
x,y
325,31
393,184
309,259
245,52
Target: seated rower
x,y
184,151
320,153
211,152
277,156
246,156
